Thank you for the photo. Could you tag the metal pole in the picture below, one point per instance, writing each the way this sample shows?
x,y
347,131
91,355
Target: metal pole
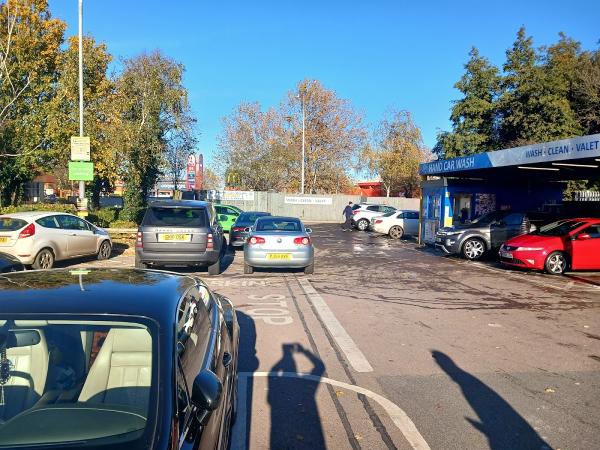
x,y
303,131
81,183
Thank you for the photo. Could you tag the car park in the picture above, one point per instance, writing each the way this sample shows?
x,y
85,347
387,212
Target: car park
x,y
116,359
40,238
180,233
10,263
238,233
279,242
397,223
227,215
572,244
472,240
362,213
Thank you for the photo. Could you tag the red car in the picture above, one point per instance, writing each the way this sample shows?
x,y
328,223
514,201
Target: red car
x,y
572,244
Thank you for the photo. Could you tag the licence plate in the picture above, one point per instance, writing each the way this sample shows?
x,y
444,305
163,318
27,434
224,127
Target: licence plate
x,y
4,239
174,237
506,255
279,256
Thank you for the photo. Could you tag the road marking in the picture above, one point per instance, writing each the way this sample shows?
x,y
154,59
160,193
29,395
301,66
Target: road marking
x,y
396,414
353,354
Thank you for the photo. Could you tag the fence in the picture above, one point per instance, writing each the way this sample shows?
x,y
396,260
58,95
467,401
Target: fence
x,y
587,196
312,208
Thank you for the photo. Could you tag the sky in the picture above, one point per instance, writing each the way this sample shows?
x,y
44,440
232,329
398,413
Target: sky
x,y
379,55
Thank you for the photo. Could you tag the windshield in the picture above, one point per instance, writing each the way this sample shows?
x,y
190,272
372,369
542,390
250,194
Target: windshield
x,y
175,217
249,218
389,214
95,380
559,228
10,224
275,224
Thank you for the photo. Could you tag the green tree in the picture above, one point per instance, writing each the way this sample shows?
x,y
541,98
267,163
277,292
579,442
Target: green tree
x,y
586,91
474,115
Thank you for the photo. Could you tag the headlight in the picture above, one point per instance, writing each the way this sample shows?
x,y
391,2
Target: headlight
x,y
453,233
529,249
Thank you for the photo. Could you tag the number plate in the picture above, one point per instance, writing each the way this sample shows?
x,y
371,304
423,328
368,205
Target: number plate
x,y
279,256
174,237
4,239
506,255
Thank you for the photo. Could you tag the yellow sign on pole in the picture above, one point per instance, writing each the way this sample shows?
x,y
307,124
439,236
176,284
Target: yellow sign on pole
x,y
80,148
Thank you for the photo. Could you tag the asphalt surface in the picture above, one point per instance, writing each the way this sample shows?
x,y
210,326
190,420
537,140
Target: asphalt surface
x,y
392,346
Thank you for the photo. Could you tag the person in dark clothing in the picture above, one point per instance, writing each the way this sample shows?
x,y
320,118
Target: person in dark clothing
x,y
347,226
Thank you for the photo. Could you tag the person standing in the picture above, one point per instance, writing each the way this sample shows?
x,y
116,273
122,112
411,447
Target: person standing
x,y
347,226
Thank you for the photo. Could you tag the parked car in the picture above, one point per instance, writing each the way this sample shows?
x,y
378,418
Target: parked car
x,y
572,244
362,213
397,223
111,201
485,233
182,233
122,359
40,239
227,215
10,263
275,242
238,233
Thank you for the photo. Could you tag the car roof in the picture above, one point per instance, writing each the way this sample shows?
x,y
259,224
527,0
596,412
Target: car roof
x,y
179,203
130,292
257,212
280,218
33,214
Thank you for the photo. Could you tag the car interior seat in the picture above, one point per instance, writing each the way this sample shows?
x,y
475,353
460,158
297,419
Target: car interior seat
x,y
121,373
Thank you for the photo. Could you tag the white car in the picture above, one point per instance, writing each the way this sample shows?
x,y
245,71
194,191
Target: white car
x,y
362,213
39,238
397,224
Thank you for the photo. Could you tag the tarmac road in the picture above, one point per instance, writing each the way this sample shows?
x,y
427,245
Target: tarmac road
x,y
390,346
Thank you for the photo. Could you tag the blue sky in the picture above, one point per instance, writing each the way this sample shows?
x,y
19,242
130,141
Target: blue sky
x,y
377,54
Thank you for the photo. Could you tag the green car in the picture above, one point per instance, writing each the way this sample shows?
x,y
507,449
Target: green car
x,y
226,215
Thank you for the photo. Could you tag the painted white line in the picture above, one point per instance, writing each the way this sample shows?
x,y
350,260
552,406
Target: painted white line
x,y
353,354
397,414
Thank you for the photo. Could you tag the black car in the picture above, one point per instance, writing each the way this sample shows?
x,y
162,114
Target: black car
x,y
115,359
9,263
485,233
238,235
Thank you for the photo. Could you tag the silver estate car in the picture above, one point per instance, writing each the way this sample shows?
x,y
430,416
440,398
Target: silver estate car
x,y
278,242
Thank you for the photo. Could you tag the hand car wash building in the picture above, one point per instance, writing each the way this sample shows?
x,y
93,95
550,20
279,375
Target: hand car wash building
x,y
530,178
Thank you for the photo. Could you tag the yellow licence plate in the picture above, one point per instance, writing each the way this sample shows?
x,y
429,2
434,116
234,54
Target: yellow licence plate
x,y
279,256
175,237
4,239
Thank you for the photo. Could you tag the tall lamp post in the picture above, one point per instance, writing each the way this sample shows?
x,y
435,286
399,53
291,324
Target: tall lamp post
x,y
81,183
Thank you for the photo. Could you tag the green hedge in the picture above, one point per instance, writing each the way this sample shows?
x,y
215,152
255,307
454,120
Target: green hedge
x,y
53,207
103,216
123,224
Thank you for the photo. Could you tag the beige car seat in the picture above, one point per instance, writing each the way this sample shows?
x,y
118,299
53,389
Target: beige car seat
x,y
122,371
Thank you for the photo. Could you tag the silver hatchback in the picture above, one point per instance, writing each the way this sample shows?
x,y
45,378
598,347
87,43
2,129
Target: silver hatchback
x,y
279,242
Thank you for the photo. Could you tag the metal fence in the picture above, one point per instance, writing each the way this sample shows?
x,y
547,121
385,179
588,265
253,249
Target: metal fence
x,y
587,196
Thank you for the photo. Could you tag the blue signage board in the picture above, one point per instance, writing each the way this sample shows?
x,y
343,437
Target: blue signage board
x,y
562,150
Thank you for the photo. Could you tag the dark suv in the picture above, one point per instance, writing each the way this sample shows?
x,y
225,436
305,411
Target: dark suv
x,y
182,233
485,233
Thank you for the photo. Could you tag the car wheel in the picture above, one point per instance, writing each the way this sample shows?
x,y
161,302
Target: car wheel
x,y
362,224
556,263
215,269
396,232
140,265
473,249
248,270
104,251
309,270
44,259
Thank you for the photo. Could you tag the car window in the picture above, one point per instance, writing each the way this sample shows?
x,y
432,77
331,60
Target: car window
x,y
175,217
401,215
593,231
373,208
72,223
559,228
230,211
513,219
412,215
249,218
355,207
10,224
48,222
388,209
275,224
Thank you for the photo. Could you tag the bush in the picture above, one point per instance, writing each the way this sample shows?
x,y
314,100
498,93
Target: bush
x,y
104,216
123,224
51,207
132,214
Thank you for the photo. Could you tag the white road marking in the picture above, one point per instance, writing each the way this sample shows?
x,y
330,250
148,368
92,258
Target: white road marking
x,y
396,414
355,357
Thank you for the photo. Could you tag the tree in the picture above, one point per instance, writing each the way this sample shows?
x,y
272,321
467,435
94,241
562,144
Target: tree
x,y
180,144
397,153
586,92
212,181
474,115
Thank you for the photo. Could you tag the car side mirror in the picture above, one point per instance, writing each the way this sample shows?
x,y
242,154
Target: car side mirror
x,y
583,237
309,230
247,229
206,391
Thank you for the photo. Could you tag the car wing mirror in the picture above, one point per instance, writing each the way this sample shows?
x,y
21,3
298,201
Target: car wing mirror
x,y
309,230
206,393
247,229
583,237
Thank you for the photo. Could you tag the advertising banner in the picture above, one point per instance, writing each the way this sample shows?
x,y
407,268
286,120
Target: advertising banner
x,y
190,173
308,200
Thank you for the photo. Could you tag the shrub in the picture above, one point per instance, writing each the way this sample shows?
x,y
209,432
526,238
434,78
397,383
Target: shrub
x,y
123,224
51,207
104,216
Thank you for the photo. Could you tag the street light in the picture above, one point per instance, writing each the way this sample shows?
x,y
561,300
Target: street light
x,y
81,183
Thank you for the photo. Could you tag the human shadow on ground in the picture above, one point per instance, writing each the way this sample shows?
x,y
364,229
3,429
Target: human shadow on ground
x,y
504,427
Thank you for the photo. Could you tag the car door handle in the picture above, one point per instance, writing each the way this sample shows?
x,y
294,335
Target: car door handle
x,y
227,359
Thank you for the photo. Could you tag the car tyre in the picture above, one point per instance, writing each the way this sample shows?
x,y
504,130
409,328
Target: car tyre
x,y
215,268
362,224
556,263
396,232
104,251
248,269
44,259
473,249
139,265
309,270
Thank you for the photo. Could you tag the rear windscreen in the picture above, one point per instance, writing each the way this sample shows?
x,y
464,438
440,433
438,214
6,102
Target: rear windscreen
x,y
275,224
175,217
10,224
249,218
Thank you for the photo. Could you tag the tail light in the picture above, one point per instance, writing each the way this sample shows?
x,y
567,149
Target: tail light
x,y
28,231
209,243
378,221
302,241
256,240
238,228
356,211
139,242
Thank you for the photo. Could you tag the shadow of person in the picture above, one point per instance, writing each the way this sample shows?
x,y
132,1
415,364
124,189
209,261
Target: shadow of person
x,y
295,420
504,427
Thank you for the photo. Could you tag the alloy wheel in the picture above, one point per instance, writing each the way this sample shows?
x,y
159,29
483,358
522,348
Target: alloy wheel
x,y
362,225
557,263
45,260
473,249
104,252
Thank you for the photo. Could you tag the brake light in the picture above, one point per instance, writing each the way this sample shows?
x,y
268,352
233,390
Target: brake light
x,y
302,241
139,242
256,240
378,221
28,231
238,228
209,243
356,211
